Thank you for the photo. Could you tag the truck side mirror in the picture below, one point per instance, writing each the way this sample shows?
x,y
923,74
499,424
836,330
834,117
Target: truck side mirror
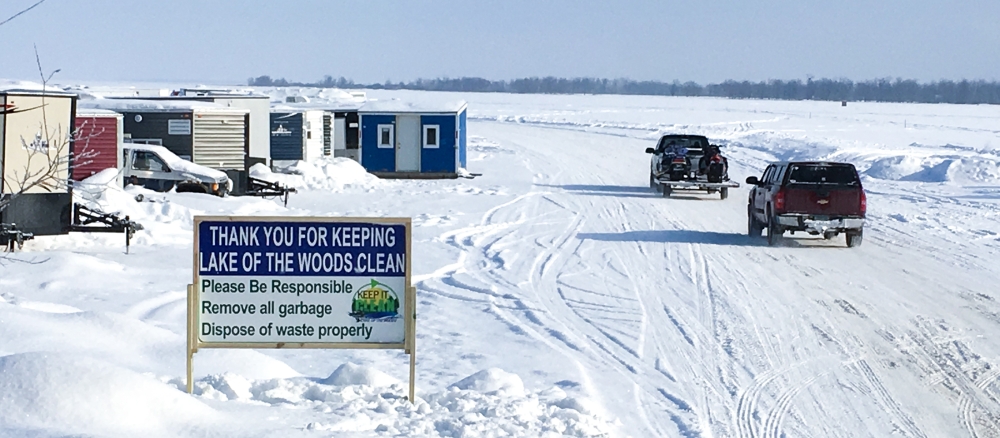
x,y
649,150
752,180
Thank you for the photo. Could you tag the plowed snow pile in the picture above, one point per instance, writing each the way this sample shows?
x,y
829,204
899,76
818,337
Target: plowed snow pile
x,y
333,174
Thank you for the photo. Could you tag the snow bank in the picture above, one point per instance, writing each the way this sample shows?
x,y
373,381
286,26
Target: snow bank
x,y
362,399
936,169
160,217
76,395
492,381
352,374
328,173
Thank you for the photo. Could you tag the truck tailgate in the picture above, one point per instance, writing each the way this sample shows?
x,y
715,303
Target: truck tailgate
x,y
828,200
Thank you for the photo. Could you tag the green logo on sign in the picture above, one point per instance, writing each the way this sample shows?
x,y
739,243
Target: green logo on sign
x,y
375,302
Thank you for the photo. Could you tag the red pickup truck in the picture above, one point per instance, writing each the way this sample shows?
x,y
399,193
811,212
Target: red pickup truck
x,y
820,198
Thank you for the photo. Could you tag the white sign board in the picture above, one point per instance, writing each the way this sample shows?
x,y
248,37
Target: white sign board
x,y
301,282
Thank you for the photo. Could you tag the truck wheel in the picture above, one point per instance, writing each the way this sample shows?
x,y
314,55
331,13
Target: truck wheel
x,y
854,238
666,189
724,192
754,227
653,184
774,231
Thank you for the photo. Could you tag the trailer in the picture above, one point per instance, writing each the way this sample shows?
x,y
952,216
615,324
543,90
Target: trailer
x,y
667,186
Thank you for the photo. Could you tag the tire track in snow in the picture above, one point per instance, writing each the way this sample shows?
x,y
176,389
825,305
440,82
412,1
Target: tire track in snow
x,y
885,399
776,416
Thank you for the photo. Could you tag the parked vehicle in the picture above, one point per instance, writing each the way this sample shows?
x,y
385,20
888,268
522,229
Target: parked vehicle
x,y
820,198
156,168
679,162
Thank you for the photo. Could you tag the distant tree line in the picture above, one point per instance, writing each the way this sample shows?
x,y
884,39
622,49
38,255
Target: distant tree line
x,y
875,90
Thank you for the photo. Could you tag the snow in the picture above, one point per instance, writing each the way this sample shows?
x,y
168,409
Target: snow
x,y
557,294
326,173
154,105
411,106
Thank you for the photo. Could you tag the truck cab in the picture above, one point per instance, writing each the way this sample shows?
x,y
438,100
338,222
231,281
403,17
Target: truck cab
x,y
156,168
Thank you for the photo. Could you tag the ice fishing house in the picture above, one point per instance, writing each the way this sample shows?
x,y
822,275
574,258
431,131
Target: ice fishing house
x,y
98,146
299,135
35,131
259,106
340,125
406,140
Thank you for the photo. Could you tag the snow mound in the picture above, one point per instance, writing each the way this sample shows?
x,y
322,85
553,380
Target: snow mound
x,y
353,374
493,380
936,169
486,407
161,218
328,173
78,395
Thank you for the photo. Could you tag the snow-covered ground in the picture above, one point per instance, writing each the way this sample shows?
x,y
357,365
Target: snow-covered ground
x,y
557,295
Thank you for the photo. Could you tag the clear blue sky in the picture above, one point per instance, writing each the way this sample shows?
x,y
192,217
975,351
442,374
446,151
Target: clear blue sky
x,y
219,41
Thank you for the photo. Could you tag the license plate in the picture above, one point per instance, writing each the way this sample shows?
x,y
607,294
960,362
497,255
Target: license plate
x,y
821,218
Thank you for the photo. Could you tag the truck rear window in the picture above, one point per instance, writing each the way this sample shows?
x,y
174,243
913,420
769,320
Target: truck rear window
x,y
822,174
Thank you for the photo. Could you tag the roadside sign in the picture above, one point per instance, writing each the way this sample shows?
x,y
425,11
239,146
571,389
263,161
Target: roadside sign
x,y
301,282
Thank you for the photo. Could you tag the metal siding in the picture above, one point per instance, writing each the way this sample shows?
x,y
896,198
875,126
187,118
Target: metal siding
x,y
219,140
287,146
96,145
462,135
372,158
327,134
314,145
154,125
442,159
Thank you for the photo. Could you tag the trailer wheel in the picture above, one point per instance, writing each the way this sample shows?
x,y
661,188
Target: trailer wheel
x,y
724,192
666,190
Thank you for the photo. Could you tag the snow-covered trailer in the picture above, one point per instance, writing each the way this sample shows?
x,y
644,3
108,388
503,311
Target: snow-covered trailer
x,y
98,142
299,135
405,140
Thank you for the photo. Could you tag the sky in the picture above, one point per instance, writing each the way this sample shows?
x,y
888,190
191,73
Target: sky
x,y
705,41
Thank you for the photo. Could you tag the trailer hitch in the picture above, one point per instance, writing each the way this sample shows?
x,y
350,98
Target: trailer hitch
x,y
265,189
12,238
87,220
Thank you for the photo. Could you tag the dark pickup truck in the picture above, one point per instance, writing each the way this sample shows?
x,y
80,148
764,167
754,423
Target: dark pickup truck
x,y
820,198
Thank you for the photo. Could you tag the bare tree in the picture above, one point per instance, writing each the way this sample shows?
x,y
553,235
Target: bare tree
x,y
22,12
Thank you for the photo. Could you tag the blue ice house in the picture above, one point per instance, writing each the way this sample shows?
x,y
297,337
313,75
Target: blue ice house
x,y
407,140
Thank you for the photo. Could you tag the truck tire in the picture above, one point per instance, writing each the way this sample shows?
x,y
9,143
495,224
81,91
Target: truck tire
x,y
653,184
724,192
754,227
774,231
666,189
854,238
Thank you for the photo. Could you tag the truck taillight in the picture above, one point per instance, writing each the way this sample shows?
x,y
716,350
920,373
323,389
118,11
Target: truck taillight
x,y
864,202
779,201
